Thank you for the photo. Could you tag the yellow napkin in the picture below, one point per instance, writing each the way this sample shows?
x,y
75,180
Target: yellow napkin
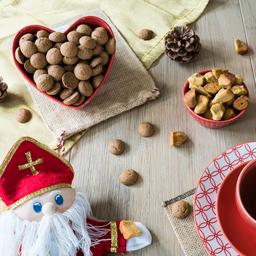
x,y
129,17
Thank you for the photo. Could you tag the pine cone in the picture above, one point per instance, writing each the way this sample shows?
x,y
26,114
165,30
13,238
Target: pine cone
x,y
182,44
3,90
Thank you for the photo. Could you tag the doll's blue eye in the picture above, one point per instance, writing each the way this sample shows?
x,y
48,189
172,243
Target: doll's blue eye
x,y
37,207
59,199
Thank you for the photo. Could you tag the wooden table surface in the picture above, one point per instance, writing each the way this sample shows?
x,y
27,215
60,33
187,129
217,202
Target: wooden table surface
x,y
167,171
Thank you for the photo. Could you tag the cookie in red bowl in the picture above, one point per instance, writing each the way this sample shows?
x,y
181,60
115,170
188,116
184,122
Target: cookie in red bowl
x,y
69,67
215,98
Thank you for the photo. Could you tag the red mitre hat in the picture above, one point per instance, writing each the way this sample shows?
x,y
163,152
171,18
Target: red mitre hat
x,y
31,169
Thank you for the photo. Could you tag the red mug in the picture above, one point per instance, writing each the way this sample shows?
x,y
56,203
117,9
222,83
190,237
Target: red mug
x,y
246,194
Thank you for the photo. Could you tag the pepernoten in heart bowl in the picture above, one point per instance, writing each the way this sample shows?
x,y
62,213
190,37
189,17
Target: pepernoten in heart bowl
x,y
72,93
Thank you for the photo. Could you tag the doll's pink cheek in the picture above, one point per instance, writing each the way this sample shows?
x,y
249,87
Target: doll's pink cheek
x,y
68,199
26,212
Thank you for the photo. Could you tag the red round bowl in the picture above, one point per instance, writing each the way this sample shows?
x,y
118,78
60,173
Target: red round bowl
x,y
208,122
90,20
233,226
246,194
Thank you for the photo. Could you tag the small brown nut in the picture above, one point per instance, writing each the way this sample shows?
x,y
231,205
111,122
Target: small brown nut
x,y
26,37
69,68
87,42
54,56
19,56
84,53
55,89
97,81
190,98
42,33
223,96
239,79
56,71
105,57
210,78
241,103
196,80
43,44
239,90
100,35
241,47
201,105
146,34
116,147
65,93
85,88
57,45
70,60
128,177
84,29
68,49
217,111
96,61
229,113
23,115
97,50
73,36
97,70
212,88
28,67
57,37
28,48
146,129
38,72
180,209
80,100
83,71
208,114
44,82
38,60
226,80
111,45
177,138
72,99
69,80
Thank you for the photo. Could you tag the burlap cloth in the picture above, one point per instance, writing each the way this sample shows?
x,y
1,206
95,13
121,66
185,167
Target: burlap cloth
x,y
128,85
185,229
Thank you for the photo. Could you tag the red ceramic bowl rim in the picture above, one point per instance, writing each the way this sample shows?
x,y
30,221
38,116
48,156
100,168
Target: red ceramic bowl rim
x,y
246,169
217,204
91,20
223,122
197,186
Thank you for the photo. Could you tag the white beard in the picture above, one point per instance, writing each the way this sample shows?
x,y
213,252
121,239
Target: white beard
x,y
55,235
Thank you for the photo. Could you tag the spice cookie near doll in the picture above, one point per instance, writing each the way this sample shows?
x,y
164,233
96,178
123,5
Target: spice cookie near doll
x,y
42,215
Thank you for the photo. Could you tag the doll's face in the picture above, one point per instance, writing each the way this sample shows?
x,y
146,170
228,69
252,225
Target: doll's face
x,y
56,201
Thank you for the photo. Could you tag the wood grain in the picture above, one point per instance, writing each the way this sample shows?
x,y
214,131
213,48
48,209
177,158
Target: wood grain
x,y
167,171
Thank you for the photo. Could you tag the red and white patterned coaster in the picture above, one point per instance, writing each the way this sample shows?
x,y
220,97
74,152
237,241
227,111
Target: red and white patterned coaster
x,y
205,196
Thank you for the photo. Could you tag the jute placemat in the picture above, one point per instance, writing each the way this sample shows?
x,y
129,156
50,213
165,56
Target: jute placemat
x,y
184,229
128,86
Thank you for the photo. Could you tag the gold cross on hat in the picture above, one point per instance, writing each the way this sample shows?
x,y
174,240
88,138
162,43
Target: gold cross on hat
x,y
31,164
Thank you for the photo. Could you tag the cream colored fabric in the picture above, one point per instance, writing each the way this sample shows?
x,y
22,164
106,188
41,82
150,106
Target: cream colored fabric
x,y
185,229
128,85
129,16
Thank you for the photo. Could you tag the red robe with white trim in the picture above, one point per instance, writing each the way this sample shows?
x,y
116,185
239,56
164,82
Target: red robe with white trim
x,y
115,243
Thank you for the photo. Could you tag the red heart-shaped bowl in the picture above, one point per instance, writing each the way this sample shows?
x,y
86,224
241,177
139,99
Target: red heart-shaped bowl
x,y
93,21
208,122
